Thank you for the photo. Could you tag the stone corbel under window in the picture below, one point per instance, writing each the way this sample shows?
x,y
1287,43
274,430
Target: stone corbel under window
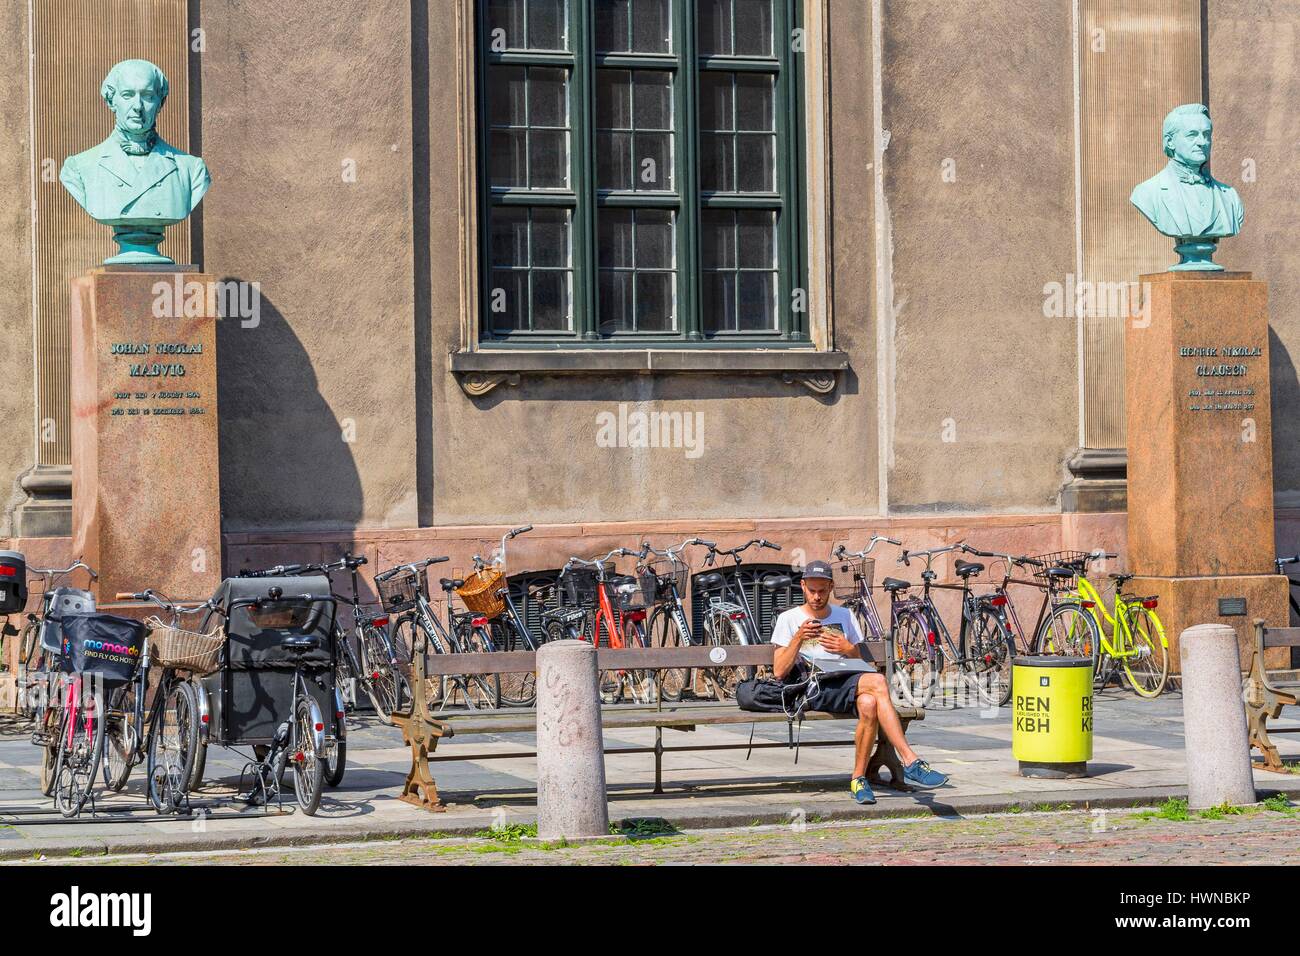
x,y
481,371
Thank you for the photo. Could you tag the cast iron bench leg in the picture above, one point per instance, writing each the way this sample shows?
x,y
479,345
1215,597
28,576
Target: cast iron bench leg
x,y
420,788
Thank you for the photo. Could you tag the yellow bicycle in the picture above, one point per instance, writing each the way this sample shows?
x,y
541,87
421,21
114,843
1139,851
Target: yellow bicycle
x,y
1136,640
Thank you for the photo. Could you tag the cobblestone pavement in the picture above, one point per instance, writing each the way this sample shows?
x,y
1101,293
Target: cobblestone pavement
x,y
1112,838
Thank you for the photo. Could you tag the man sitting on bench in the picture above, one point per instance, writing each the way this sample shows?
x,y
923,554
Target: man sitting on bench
x,y
826,635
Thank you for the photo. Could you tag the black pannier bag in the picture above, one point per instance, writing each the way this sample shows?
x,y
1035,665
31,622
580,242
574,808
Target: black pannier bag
x,y
104,645
13,582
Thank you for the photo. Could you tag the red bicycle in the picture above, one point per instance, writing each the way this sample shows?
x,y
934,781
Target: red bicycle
x,y
598,603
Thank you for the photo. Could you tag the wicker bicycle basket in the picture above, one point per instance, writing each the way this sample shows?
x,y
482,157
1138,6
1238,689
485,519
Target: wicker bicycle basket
x,y
402,591
849,574
1071,560
173,646
479,592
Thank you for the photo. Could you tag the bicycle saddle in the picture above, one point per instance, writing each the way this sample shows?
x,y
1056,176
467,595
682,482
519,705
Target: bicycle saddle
x,y
774,581
1120,577
894,584
451,584
299,643
709,581
1060,572
622,581
965,569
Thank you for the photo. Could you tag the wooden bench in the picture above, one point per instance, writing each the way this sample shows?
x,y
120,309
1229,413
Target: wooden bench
x,y
1265,697
422,733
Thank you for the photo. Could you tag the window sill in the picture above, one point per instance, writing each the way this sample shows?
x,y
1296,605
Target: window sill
x,y
480,372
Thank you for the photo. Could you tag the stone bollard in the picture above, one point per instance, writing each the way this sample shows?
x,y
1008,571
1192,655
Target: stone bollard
x,y
571,798
1214,718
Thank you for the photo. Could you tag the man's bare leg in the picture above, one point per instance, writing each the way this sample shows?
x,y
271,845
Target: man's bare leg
x,y
864,738
874,687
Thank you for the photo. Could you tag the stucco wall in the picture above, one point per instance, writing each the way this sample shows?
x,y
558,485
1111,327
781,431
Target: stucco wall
x,y
986,398
17,395
1254,98
292,93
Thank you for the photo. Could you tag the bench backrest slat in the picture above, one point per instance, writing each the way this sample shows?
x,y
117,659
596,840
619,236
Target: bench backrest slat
x,y
516,662
1282,637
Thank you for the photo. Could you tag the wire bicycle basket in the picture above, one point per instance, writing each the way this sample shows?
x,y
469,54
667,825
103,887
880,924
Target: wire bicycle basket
x,y
185,650
402,591
1074,561
851,574
658,578
479,592
580,585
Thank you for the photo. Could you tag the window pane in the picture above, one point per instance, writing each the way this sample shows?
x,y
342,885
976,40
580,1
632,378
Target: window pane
x,y
506,95
757,301
755,99
651,26
548,159
614,228
652,154
718,238
613,99
654,301
719,301
753,28
654,100
715,101
550,300
550,243
546,24
508,300
615,305
756,239
506,149
613,160
717,162
508,17
509,236
547,95
756,169
654,239
612,18
713,26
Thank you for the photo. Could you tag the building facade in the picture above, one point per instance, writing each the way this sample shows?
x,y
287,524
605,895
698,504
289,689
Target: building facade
x,y
796,269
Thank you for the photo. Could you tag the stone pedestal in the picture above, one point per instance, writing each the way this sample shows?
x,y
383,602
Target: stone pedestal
x,y
1200,462
145,483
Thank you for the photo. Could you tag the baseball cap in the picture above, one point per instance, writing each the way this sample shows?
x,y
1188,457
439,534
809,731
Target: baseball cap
x,y
817,569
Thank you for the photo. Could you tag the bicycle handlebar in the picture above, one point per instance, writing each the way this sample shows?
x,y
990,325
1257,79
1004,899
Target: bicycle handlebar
x,y
929,554
841,551
55,572
413,566
161,600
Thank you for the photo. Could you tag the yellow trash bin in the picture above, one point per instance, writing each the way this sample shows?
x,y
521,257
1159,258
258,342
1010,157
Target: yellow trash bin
x,y
1052,735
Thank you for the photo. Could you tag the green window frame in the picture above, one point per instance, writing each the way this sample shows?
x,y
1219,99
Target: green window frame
x,y
640,169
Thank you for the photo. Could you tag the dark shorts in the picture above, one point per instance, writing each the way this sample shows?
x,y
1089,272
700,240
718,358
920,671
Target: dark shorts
x,y
836,694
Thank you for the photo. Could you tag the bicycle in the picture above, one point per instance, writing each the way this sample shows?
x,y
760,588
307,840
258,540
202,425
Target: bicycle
x,y
1292,583
1136,643
485,594
609,602
729,619
404,591
166,734
982,653
664,584
1062,621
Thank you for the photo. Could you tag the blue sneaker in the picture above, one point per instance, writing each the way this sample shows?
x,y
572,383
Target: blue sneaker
x,y
918,772
861,790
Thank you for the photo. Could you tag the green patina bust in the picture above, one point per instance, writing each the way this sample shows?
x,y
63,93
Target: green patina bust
x,y
134,181
1183,200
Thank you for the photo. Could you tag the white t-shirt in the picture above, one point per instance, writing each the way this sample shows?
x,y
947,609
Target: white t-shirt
x,y
790,621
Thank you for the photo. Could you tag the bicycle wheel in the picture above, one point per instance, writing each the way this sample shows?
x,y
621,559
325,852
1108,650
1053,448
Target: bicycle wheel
x,y
336,763
173,746
382,679
915,672
664,633
483,691
1069,631
721,631
517,690
30,654
639,681
80,753
990,650
121,740
48,720
435,688
308,766
1146,666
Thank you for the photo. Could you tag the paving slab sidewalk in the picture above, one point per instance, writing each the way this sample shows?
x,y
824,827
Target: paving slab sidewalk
x,y
1138,760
